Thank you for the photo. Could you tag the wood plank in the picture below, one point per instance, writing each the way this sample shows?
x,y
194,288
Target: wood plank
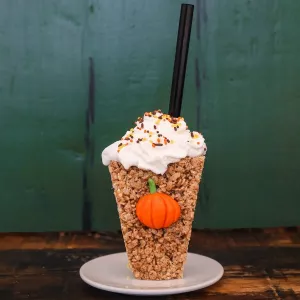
x,y
258,264
68,284
204,239
250,273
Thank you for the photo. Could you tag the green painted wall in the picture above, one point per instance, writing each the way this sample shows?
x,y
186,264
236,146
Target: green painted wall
x,y
241,90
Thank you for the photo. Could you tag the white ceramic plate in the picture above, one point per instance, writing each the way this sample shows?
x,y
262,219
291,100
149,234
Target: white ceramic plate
x,y
110,273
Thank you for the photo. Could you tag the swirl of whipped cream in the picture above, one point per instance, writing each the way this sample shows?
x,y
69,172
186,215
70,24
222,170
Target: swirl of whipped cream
x,y
157,141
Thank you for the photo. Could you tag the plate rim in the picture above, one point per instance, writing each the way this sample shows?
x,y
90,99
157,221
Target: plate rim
x,y
149,292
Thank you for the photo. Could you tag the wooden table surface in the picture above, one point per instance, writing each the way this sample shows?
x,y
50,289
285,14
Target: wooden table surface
x,y
259,264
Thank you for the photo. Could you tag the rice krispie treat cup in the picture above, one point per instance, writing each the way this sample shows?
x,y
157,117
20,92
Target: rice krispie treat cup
x,y
156,225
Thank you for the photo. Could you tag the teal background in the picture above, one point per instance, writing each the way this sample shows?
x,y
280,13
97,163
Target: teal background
x,y
242,92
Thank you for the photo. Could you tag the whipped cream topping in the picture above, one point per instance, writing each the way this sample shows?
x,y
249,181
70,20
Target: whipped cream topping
x,y
156,141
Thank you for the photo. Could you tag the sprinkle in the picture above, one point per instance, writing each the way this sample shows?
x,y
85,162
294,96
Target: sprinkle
x,y
168,140
144,139
165,142
160,117
172,142
142,125
192,134
154,126
120,145
157,122
153,145
198,143
145,131
137,141
158,140
157,131
131,141
159,144
175,128
159,135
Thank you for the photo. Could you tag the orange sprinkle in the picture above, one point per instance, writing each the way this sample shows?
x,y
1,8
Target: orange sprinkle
x,y
198,143
131,141
158,140
153,145
121,147
166,142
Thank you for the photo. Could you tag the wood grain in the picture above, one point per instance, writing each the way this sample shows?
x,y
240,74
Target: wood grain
x,y
259,264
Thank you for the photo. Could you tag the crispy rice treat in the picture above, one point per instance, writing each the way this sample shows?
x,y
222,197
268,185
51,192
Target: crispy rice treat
x,y
157,254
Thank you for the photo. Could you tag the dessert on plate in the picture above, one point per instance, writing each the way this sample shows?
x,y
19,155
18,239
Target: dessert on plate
x,y
156,170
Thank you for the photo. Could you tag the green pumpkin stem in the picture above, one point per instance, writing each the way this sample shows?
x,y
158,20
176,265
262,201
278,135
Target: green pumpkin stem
x,y
152,186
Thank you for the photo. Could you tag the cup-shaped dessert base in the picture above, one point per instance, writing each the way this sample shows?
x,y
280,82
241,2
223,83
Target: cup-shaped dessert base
x,y
157,254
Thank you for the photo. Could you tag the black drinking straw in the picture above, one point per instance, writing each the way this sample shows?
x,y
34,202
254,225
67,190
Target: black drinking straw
x,y
182,48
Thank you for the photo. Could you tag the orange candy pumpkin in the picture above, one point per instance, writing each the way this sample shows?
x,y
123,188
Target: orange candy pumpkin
x,y
157,210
